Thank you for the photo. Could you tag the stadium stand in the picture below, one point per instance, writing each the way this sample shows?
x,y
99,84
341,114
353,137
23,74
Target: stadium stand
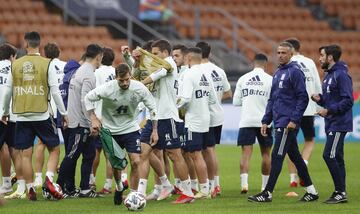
x,y
278,20
17,17
347,10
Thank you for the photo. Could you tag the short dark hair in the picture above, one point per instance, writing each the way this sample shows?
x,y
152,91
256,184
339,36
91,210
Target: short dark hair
x,y
294,42
33,39
93,50
184,50
6,51
108,57
260,57
286,44
162,44
205,49
147,45
333,50
195,50
51,50
122,69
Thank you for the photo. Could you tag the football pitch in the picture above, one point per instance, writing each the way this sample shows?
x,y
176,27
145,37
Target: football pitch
x,y
230,201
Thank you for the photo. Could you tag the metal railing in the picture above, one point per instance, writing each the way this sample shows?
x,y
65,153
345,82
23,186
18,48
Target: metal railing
x,y
236,24
92,21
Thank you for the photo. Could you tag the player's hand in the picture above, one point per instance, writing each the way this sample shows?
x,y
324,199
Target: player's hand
x,y
125,50
65,122
154,138
5,119
95,126
315,97
136,55
291,126
323,112
263,130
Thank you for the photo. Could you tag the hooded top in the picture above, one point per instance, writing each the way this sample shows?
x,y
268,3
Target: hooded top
x,y
69,70
337,98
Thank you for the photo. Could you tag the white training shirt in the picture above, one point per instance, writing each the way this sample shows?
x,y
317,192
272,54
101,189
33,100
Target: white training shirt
x,y
54,92
182,71
221,84
313,83
58,66
119,106
103,74
165,94
5,74
252,93
197,88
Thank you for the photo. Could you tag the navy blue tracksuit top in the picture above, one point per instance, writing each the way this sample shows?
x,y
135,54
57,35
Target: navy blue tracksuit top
x,y
288,97
338,99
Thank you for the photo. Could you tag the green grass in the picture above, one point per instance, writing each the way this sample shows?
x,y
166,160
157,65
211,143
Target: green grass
x,y
231,201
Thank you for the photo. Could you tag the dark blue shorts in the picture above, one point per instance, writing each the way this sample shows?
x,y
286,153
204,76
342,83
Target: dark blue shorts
x,y
307,127
129,141
26,131
180,127
247,137
97,141
214,136
7,134
168,137
195,141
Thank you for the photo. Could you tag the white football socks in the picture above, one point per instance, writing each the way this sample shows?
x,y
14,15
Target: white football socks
x,y
244,180
264,180
142,186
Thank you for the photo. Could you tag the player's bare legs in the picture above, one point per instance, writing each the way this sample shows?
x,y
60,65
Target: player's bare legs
x,y
192,172
201,171
5,160
244,166
265,164
210,156
134,173
39,163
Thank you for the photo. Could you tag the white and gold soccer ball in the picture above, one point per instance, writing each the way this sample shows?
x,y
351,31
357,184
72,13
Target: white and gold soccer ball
x,y
135,201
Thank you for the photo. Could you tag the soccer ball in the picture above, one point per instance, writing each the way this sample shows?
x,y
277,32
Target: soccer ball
x,y
135,201
46,193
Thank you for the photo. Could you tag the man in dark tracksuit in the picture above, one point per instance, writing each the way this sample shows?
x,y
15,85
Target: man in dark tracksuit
x,y
286,105
337,100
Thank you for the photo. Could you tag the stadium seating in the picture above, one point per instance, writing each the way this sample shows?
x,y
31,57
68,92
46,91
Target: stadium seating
x,y
278,20
18,17
347,10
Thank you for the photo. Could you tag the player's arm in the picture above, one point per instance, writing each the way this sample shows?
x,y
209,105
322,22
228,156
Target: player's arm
x,y
6,98
227,89
212,96
155,76
88,85
317,80
56,95
227,95
302,98
150,103
185,96
268,116
89,100
237,100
